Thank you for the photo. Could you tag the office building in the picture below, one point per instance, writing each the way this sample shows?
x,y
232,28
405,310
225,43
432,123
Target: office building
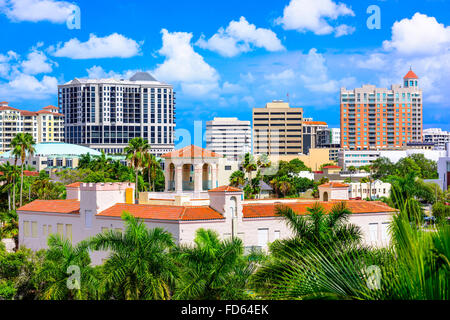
x,y
436,136
277,129
230,137
310,129
46,125
374,118
358,158
105,114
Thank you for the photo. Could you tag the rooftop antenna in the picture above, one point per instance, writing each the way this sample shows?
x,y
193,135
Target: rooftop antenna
x,y
288,98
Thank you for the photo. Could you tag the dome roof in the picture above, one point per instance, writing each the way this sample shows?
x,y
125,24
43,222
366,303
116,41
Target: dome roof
x,y
142,76
411,75
48,149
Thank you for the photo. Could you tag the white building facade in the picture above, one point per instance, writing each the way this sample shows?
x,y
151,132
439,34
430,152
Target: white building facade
x,y
98,207
105,114
230,137
437,136
358,158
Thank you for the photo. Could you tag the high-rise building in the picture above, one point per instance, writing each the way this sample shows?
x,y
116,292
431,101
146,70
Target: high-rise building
x,y
329,138
376,118
436,136
277,129
105,114
230,137
310,129
46,125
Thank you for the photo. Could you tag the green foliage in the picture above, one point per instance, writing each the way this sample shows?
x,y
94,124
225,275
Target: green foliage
x,y
213,269
441,212
139,265
415,164
53,276
237,178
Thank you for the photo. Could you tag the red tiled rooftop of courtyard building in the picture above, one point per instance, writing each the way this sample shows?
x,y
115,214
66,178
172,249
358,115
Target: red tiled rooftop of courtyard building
x,y
355,206
53,206
163,212
191,152
334,185
226,189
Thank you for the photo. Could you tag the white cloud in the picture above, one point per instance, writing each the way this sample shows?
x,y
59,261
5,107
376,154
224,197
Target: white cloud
x,y
24,86
375,61
97,72
5,60
285,75
314,15
112,46
183,65
37,62
241,36
315,76
420,35
37,10
344,30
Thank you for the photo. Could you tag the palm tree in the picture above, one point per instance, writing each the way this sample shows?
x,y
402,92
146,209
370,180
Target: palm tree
x,y
213,269
134,152
237,179
321,228
22,144
139,264
85,161
60,258
414,267
152,165
249,165
9,175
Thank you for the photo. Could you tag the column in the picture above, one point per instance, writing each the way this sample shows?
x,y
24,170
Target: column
x,y
166,177
179,178
198,181
214,182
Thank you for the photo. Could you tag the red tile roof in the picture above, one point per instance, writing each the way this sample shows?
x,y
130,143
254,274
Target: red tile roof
x,y
191,152
163,212
331,167
50,107
225,189
73,185
334,185
411,75
8,108
53,206
355,206
322,123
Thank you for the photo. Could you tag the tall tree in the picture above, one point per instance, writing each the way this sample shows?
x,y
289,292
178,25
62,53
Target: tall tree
x,y
22,145
134,153
139,264
213,269
152,165
249,165
10,173
59,262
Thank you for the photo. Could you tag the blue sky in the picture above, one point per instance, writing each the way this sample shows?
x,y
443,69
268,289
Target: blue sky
x,y
225,57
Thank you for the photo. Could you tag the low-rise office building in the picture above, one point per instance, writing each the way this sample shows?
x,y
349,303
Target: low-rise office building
x,y
358,158
437,136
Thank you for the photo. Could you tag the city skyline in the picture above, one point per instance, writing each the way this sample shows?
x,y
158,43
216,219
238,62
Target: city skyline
x,y
235,59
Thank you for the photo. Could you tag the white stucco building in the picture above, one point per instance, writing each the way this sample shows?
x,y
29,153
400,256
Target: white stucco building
x,y
364,190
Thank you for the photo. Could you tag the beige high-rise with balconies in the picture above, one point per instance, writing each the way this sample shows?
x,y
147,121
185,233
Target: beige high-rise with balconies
x,y
46,125
277,129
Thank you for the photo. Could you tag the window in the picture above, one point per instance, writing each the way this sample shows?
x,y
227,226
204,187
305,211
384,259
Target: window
x,y
49,229
44,230
228,168
34,229
384,231
276,235
263,237
373,232
59,229
69,232
88,219
26,228
104,229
